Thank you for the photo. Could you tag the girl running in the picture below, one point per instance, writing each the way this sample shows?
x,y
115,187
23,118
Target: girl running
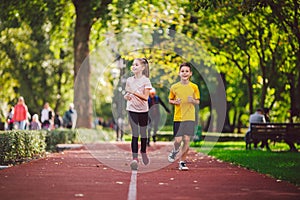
x,y
137,93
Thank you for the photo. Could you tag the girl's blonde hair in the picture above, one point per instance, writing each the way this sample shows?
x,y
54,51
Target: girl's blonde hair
x,y
145,63
35,117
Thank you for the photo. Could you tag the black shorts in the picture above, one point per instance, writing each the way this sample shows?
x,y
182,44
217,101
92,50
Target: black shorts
x,y
184,128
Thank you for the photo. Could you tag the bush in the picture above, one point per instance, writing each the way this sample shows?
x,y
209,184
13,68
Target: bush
x,y
19,146
60,136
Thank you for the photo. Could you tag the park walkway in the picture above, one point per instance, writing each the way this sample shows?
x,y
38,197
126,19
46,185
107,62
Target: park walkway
x,y
86,173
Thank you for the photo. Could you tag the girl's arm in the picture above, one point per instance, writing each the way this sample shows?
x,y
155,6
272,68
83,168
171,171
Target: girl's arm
x,y
127,95
144,96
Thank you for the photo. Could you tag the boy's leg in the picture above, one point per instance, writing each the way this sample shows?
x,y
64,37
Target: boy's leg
x,y
175,150
185,147
177,143
185,150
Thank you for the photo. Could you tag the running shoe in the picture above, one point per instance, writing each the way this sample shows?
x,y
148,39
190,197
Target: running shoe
x,y
172,155
182,166
145,159
134,164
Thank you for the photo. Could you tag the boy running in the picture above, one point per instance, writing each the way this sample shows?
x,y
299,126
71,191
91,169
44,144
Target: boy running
x,y
184,95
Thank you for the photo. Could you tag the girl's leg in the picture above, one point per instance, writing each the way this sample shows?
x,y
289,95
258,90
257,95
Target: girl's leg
x,y
133,120
143,122
134,147
143,139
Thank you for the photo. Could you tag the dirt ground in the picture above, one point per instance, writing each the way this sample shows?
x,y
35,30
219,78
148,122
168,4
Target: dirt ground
x,y
87,173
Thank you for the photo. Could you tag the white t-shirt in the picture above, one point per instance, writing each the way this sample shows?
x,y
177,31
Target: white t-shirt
x,y
45,114
138,85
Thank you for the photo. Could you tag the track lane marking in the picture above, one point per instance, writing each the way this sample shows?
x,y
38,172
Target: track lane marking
x,y
133,186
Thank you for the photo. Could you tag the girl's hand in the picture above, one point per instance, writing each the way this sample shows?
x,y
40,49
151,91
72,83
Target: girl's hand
x,y
127,97
130,91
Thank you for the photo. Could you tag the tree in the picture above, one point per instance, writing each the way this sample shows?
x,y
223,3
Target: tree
x,y
33,63
285,14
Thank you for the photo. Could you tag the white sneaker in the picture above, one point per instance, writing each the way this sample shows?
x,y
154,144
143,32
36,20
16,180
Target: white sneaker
x,y
134,164
172,155
182,166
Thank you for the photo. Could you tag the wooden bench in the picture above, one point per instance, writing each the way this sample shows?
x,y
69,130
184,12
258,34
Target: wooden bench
x,y
287,132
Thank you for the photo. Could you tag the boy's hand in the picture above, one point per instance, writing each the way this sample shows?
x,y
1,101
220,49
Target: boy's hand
x,y
191,99
177,101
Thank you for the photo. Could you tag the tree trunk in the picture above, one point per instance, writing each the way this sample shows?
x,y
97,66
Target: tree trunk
x,y
82,94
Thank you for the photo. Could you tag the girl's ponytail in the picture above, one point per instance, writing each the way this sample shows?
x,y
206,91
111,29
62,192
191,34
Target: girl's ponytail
x,y
145,63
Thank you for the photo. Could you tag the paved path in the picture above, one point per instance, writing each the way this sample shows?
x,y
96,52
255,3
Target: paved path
x,y
81,174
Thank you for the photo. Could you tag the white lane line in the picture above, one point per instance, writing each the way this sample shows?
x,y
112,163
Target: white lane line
x,y
132,186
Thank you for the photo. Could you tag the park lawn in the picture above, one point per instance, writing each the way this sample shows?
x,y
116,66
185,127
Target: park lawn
x,y
278,163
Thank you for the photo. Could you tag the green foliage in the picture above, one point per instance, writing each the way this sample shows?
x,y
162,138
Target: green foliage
x,y
20,146
30,49
60,136
250,43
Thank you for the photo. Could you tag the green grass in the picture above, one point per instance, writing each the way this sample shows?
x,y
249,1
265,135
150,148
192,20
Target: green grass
x,y
278,163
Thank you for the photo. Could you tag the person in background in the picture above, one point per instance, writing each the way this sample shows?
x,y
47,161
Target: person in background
x,y
184,95
35,124
154,114
257,117
20,114
46,117
10,120
119,129
57,121
264,142
70,117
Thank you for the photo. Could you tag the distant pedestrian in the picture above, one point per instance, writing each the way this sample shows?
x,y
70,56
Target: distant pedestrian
x,y
57,121
119,129
47,117
154,114
35,124
20,114
184,95
70,117
137,93
9,119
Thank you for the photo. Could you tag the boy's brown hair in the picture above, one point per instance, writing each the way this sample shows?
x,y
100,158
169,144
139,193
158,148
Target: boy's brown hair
x,y
186,64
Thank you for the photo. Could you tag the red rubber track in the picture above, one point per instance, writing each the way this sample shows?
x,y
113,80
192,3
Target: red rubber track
x,y
76,174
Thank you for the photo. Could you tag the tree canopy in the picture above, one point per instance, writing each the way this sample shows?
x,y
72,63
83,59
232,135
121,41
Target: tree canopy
x,y
254,45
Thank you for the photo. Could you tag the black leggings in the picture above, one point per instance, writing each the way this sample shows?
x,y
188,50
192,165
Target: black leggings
x,y
138,123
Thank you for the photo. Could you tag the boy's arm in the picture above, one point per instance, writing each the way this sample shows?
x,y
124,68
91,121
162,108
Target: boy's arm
x,y
195,101
172,99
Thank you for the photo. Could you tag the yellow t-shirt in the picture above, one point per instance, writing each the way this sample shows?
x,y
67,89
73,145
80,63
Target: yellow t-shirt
x,y
185,111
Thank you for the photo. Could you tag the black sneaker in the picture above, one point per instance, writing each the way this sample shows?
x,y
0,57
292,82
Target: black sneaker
x,y
182,166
